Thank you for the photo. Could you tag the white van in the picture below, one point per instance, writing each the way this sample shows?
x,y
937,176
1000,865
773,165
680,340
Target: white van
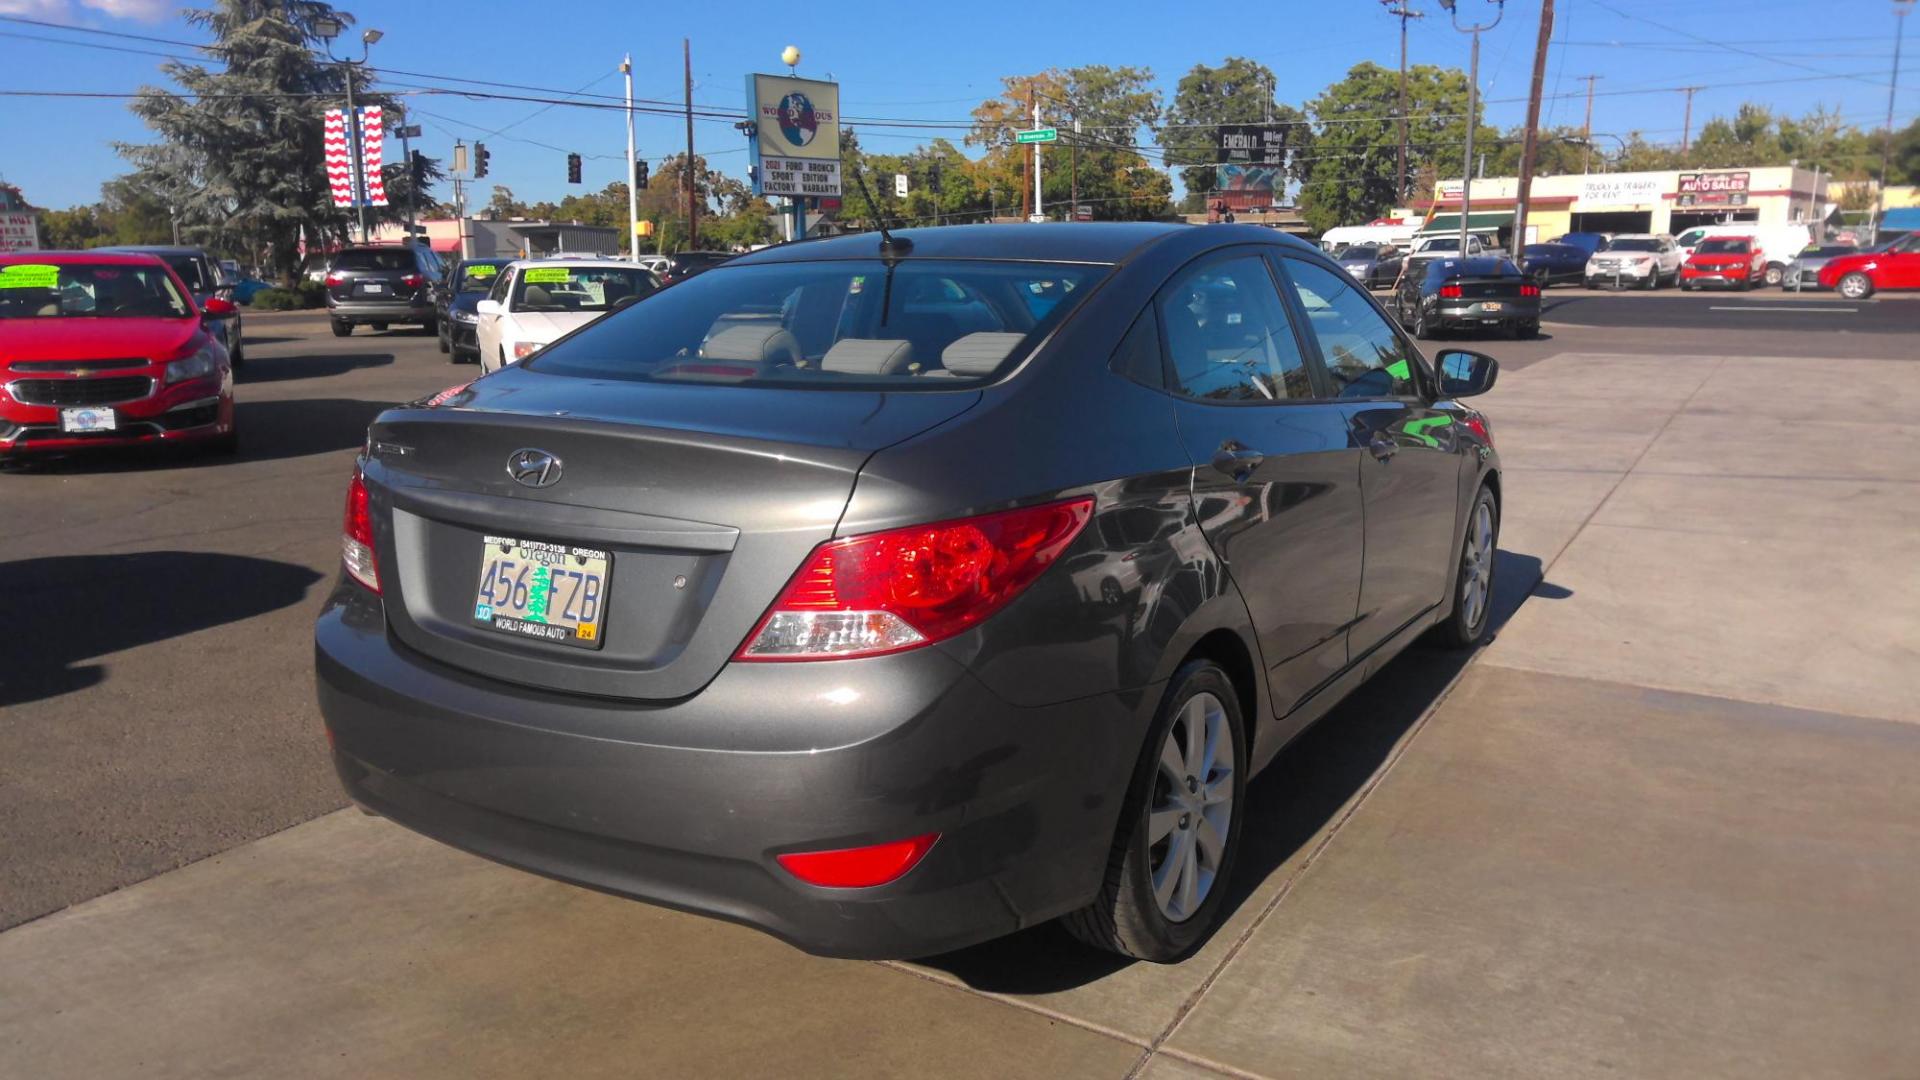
x,y
1779,243
1342,237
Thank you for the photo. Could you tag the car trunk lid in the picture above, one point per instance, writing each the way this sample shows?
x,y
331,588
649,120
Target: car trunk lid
x,y
706,499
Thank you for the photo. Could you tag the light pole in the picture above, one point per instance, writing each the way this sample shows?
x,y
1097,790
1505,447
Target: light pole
x,y
633,191
326,28
1473,107
1900,9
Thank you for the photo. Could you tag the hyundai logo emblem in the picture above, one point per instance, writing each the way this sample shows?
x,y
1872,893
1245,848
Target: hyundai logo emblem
x,y
534,468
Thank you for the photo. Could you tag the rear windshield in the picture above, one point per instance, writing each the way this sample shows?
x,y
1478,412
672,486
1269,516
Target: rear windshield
x,y
191,271
395,259
830,325
46,291
1442,269
578,288
1710,247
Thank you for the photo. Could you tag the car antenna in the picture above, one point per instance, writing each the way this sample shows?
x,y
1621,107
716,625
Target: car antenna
x,y
892,247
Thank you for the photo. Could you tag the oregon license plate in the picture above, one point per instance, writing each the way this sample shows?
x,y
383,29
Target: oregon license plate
x,y
1492,306
548,592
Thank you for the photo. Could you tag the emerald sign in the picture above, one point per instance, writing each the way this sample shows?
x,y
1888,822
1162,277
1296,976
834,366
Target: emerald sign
x,y
1037,135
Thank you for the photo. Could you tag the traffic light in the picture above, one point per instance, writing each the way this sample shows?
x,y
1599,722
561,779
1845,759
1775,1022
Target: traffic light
x,y
573,168
640,175
480,156
419,170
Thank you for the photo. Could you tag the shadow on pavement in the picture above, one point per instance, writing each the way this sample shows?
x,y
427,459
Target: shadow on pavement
x,y
267,339
263,369
269,431
133,599
1287,805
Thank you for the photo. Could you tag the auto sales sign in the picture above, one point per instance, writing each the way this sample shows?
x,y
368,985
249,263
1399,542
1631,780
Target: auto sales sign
x,y
796,136
1713,189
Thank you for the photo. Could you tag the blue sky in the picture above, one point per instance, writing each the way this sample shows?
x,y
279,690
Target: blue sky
x,y
904,60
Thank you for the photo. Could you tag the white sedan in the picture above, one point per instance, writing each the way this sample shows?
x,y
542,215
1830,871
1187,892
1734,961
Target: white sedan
x,y
534,302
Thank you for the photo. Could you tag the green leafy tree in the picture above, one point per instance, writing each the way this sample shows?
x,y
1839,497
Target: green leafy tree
x,y
1100,111
241,152
1238,91
1347,175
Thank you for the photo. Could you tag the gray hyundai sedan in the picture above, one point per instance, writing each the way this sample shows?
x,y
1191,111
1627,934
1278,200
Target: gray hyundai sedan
x,y
892,593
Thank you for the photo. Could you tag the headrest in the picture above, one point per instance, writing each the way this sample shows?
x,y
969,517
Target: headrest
x,y
868,356
980,353
753,344
537,295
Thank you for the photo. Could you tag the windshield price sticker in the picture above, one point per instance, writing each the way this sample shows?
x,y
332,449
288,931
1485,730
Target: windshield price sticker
x,y
482,271
30,276
546,275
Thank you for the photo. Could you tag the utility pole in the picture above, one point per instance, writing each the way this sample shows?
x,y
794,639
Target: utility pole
x,y
1523,196
1039,211
1473,106
1686,126
1586,128
1900,9
1074,214
693,217
633,195
1403,10
460,198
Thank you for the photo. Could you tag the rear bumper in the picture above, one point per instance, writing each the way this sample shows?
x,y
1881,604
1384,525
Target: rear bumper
x,y
382,311
187,412
1475,313
795,757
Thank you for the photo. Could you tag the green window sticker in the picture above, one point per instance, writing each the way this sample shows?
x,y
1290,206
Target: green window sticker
x,y
30,276
482,271
1398,369
548,275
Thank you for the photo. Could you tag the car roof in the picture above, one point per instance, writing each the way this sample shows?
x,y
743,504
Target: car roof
x,y
160,249
576,262
94,257
1082,242
1617,237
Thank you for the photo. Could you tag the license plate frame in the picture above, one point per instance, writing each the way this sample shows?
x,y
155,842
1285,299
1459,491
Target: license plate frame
x,y
89,418
1493,305
529,572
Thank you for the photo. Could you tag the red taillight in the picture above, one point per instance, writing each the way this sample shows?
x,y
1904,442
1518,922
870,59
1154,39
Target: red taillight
x,y
413,281
1530,290
858,868
356,536
904,588
1450,292
336,279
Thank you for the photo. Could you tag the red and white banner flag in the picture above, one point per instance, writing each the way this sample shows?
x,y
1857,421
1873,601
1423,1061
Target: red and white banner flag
x,y
373,132
339,158
339,152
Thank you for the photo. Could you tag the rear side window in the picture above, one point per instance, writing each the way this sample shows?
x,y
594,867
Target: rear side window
x,y
192,271
1362,352
854,324
1228,336
395,259
1139,357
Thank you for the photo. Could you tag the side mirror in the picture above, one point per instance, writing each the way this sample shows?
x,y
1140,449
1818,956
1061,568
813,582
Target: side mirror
x,y
218,308
489,307
1464,373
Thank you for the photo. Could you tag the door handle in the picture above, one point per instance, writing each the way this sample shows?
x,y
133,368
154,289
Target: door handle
x,y
1382,446
1237,461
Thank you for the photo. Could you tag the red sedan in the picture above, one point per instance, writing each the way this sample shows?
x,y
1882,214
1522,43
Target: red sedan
x,y
1860,276
108,350
1729,262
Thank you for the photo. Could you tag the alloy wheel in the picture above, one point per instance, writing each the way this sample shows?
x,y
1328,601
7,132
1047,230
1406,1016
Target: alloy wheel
x,y
1476,566
1191,812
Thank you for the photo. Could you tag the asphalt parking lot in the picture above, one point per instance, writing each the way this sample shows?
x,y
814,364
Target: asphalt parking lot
x,y
1665,825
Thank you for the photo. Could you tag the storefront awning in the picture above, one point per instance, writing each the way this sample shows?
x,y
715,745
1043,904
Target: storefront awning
x,y
1478,221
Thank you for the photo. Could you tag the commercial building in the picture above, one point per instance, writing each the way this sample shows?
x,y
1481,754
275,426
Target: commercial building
x,y
1670,201
511,238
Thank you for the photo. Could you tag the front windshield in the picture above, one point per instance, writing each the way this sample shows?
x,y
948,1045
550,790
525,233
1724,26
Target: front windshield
x,y
478,277
1722,247
48,291
1359,252
852,324
1635,245
578,288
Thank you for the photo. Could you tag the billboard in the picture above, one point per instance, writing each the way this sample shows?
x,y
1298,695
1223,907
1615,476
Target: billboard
x,y
1247,187
1626,189
1250,144
1713,189
19,230
796,139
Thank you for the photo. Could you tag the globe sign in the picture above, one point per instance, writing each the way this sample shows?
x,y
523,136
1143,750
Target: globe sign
x,y
797,122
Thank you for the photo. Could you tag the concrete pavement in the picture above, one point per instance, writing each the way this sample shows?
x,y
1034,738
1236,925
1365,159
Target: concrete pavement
x,y
1663,826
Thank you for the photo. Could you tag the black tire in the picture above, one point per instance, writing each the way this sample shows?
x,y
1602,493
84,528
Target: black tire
x,y
431,326
446,346
1855,286
1527,331
379,327
342,329
1423,329
1124,917
1463,629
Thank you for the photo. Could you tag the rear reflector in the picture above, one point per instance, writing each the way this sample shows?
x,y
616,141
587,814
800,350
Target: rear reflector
x,y
858,868
356,536
900,589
